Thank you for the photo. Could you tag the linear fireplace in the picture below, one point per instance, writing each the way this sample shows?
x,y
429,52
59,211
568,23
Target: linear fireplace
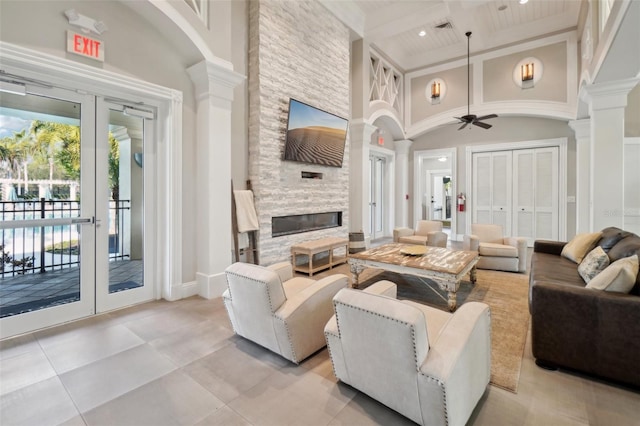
x,y
295,224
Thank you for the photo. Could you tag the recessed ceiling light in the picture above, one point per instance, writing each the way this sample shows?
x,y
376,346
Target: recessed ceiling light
x,y
422,33
503,7
522,1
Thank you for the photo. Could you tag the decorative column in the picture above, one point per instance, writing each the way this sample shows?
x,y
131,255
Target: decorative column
x,y
607,102
359,143
214,84
582,130
402,182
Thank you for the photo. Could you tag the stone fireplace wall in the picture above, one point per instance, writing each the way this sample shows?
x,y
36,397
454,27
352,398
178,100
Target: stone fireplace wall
x,y
297,49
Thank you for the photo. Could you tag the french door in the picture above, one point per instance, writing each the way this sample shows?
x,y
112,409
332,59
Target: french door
x,y
124,277
377,167
72,207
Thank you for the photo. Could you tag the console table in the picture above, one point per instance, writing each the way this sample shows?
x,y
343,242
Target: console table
x,y
310,248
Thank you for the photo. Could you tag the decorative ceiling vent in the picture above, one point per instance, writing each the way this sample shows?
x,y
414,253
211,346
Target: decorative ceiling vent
x,y
444,25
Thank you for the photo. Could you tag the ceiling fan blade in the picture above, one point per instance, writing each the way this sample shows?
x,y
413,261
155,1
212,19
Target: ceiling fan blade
x,y
463,126
481,124
486,117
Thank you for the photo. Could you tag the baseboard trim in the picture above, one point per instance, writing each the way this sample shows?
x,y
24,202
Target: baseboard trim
x,y
211,286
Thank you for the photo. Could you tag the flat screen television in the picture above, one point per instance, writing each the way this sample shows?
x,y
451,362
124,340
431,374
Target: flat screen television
x,y
314,136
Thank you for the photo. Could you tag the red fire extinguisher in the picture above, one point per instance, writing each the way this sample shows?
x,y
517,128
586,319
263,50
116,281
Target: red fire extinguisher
x,y
461,202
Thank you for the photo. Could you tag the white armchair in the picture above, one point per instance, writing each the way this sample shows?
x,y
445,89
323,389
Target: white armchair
x,y
496,251
427,232
274,309
429,365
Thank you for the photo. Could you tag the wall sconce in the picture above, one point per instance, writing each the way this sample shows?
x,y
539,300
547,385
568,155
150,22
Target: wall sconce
x,y
435,91
527,72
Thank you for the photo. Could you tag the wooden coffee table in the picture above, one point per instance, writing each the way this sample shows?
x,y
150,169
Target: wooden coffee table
x,y
445,266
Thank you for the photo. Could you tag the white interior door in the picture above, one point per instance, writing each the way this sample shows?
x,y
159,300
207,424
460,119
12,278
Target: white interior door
x,y
536,194
482,209
524,195
492,183
546,194
501,184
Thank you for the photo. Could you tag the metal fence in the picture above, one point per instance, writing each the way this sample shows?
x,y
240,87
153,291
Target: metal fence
x,y
47,248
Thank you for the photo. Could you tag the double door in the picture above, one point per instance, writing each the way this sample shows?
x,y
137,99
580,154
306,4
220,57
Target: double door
x,y
518,189
73,207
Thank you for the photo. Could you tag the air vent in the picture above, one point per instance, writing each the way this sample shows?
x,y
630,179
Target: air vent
x,y
444,25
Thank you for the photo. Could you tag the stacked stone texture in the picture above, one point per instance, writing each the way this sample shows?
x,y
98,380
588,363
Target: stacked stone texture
x,y
296,50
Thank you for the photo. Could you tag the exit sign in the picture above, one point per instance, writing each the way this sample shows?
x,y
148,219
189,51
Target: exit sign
x,y
82,45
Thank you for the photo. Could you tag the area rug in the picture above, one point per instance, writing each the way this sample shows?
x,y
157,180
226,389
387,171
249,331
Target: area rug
x,y
506,294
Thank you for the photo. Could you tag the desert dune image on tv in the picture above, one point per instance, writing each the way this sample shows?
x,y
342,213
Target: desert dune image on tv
x,y
314,136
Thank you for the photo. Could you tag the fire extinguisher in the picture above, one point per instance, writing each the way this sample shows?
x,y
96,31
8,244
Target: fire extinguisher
x,y
461,202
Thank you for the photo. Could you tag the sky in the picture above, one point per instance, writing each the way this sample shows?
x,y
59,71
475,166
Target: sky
x,y
302,115
9,125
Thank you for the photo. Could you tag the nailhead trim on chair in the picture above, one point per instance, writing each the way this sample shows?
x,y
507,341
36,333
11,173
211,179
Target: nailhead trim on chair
x,y
256,281
415,352
326,335
293,352
444,394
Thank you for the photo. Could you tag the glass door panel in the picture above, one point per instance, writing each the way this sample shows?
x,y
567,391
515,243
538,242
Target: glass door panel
x,y
120,232
376,196
47,208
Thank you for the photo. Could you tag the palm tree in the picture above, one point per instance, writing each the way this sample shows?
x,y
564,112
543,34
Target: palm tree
x,y
13,153
59,144
48,140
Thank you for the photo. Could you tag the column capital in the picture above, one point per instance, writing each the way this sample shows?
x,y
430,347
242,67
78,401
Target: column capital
x,y
609,95
581,128
120,133
402,146
360,126
213,80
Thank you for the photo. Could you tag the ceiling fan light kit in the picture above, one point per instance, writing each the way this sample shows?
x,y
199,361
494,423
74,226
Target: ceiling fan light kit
x,y
472,118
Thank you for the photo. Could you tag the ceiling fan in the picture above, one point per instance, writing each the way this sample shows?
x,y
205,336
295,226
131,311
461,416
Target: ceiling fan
x,y
472,118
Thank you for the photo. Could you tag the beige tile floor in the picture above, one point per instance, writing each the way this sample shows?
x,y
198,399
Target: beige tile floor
x,y
179,363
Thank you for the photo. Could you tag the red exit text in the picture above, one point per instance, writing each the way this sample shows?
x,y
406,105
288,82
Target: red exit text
x,y
85,46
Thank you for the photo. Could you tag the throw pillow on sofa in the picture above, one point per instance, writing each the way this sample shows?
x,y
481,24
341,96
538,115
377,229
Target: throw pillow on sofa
x,y
593,263
580,245
620,276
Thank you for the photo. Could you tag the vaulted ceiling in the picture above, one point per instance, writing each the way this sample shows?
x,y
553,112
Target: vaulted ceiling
x,y
394,26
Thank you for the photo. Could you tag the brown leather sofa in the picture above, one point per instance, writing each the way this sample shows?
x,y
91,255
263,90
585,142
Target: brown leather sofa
x,y
591,331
